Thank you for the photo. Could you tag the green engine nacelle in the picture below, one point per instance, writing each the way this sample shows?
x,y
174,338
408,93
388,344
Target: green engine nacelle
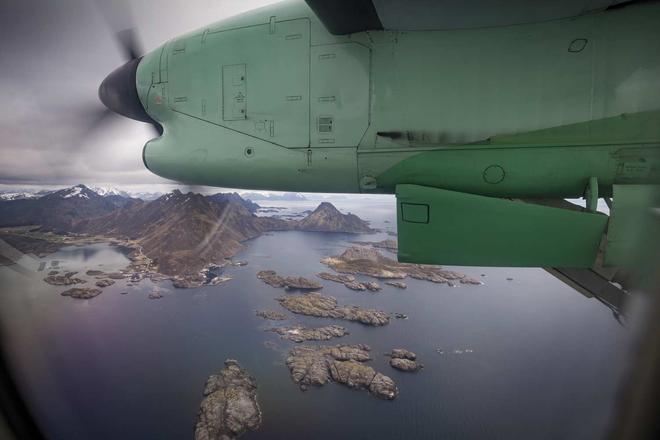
x,y
271,100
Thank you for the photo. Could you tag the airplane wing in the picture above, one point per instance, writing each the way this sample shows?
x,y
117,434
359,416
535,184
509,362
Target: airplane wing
x,y
601,256
342,17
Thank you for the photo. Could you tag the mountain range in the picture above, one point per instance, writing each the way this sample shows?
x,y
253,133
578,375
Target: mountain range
x,y
18,195
59,210
181,233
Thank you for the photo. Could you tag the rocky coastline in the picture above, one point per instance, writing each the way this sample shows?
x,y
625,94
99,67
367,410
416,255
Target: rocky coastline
x,y
350,281
321,306
66,279
404,360
271,315
368,261
163,236
388,244
81,292
230,407
299,333
175,238
271,278
343,364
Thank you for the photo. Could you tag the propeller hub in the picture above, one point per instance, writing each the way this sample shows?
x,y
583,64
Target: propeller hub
x,y
118,92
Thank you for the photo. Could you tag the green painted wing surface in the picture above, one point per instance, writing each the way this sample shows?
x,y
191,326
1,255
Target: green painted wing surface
x,y
635,209
437,226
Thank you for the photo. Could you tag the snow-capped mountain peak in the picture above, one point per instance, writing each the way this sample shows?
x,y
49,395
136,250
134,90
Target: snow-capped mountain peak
x,y
80,191
105,191
18,196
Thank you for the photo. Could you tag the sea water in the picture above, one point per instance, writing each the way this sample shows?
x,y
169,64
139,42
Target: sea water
x,y
521,356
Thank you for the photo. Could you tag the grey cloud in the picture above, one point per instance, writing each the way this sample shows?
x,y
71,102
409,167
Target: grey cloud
x,y
53,56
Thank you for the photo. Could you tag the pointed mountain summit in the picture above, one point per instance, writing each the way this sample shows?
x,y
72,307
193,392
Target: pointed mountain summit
x,y
327,218
108,191
118,197
79,191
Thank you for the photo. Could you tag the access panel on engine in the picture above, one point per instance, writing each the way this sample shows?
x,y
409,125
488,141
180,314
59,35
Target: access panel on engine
x,y
234,92
253,79
339,98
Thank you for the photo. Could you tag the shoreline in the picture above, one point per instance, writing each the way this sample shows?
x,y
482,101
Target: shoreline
x,y
140,266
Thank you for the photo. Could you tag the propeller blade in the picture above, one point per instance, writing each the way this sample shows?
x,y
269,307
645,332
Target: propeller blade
x,y
100,117
128,41
94,120
118,16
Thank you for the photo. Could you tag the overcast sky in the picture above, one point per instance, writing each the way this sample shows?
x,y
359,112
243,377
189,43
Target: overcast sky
x,y
53,56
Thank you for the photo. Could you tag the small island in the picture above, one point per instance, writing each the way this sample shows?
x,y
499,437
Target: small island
x,y
343,364
230,407
387,244
81,292
271,314
271,278
155,293
104,283
347,280
404,360
64,280
368,261
298,333
315,304
350,281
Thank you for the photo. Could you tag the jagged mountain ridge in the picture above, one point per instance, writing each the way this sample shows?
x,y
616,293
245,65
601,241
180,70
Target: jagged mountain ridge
x,y
106,191
22,193
19,195
183,233
58,210
118,197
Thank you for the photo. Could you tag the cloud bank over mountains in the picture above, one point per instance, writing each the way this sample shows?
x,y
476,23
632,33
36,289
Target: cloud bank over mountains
x,y
49,82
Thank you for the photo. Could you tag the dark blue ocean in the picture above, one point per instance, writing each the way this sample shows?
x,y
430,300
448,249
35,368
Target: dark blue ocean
x,y
521,359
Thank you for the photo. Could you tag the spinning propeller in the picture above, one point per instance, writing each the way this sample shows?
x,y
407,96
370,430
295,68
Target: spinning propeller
x,y
118,91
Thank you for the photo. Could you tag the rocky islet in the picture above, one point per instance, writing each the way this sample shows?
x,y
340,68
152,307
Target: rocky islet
x,y
230,407
344,364
321,306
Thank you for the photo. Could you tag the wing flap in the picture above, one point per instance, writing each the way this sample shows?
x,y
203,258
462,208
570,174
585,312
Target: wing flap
x,y
437,226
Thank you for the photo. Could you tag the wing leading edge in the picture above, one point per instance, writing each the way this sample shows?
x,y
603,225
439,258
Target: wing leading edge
x,y
342,17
